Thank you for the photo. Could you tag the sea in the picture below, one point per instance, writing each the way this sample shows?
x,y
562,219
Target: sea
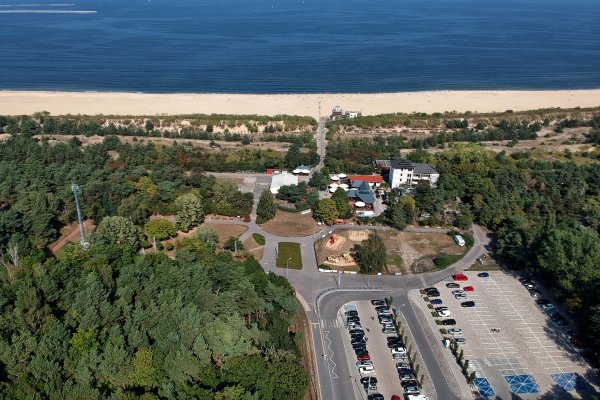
x,y
299,46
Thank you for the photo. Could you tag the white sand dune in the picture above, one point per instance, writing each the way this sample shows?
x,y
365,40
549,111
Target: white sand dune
x,y
90,103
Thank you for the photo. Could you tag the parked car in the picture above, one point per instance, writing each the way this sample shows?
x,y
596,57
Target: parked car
x,y
352,319
360,340
402,365
363,363
411,390
351,313
577,341
448,322
460,277
377,303
535,293
354,325
469,303
455,331
398,350
444,313
483,275
460,340
469,289
409,382
355,331
436,301
367,370
361,352
395,397
541,302
407,376
459,291
462,295
375,396
385,320
559,320
548,307
369,383
452,285
364,357
359,348
433,294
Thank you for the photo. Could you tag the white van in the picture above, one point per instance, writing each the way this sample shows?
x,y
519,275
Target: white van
x,y
459,240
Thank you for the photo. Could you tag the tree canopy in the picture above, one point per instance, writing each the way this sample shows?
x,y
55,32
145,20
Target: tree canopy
x,y
111,324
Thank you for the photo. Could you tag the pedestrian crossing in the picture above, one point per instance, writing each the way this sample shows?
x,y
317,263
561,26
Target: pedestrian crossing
x,y
326,324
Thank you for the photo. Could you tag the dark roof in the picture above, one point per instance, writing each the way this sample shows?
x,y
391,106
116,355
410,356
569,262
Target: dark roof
x,y
424,169
401,164
366,196
361,185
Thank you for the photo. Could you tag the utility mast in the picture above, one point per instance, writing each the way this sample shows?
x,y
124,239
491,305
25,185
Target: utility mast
x,y
84,242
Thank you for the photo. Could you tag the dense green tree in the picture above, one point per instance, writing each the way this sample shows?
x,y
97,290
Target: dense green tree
x,y
160,228
229,200
373,254
266,208
118,230
208,235
189,211
326,211
340,199
319,180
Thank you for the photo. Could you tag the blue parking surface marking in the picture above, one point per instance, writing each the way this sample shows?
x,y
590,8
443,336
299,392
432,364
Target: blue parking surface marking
x,y
484,387
569,381
522,384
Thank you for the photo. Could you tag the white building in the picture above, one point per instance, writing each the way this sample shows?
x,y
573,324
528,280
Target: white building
x,y
404,172
283,179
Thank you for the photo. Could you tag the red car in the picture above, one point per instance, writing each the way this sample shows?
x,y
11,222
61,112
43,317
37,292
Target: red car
x,y
364,357
395,397
469,289
460,277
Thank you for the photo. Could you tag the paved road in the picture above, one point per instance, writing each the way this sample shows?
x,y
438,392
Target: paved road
x,y
335,382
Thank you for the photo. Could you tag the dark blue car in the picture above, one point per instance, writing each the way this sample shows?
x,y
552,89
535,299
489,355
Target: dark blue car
x,y
483,275
436,301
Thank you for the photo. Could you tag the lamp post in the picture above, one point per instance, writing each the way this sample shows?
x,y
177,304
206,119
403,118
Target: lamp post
x,y
287,266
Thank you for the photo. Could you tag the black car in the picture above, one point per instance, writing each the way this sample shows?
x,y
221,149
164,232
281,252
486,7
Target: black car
x,y
449,321
392,345
356,337
375,396
467,304
559,320
356,331
378,303
452,285
543,302
352,313
402,371
362,352
410,382
359,341
352,319
383,307
358,348
369,383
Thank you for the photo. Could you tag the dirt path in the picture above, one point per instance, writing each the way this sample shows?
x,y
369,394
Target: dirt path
x,y
72,237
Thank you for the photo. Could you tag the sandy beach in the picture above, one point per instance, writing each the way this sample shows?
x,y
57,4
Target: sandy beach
x,y
114,103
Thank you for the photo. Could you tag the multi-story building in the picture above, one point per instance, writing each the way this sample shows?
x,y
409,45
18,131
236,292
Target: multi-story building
x,y
405,172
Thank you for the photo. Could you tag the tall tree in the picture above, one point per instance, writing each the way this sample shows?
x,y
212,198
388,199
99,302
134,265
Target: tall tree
x,y
189,212
373,254
341,203
160,228
118,230
326,211
266,208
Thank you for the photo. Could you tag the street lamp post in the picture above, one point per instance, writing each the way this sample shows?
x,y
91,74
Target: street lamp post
x,y
287,266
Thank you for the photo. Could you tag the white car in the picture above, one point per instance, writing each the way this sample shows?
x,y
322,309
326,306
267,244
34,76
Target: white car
x,y
386,321
462,295
455,331
354,325
364,364
366,370
411,390
444,313
398,350
460,340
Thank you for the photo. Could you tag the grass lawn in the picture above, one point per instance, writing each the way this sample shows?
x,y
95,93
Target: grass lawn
x,y
291,251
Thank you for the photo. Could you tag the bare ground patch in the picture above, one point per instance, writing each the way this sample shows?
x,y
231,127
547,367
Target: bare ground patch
x,y
291,224
254,248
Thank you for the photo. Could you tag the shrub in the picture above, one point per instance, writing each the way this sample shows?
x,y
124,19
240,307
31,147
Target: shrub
x,y
444,331
169,246
259,239
430,306
434,314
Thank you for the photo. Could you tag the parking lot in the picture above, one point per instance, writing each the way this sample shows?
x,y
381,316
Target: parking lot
x,y
510,342
388,381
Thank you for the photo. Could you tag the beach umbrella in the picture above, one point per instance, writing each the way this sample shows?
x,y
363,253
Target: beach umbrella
x,y
334,178
342,176
344,185
359,204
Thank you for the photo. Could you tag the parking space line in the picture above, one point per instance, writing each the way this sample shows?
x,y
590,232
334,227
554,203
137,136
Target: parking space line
x,y
518,312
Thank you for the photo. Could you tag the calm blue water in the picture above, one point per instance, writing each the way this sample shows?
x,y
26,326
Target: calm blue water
x,y
285,46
